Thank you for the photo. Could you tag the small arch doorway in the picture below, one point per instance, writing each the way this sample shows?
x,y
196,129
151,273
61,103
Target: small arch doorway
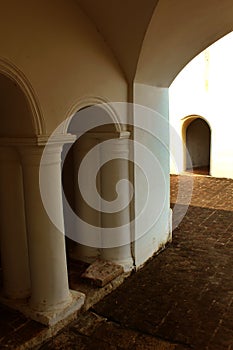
x,y
198,142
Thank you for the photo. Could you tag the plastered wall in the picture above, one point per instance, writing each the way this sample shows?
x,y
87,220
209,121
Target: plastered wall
x,y
204,88
61,55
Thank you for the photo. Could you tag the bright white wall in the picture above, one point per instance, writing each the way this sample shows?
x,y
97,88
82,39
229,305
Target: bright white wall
x,y
156,99
204,88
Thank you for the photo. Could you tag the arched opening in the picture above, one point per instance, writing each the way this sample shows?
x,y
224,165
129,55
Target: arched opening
x,y
198,144
80,148
26,265
16,124
107,176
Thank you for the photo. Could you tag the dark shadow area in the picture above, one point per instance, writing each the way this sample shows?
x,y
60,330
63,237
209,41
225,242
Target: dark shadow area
x,y
198,143
204,170
183,295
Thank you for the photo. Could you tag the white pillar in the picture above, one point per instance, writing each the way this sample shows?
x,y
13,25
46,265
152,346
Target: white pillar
x,y
153,133
111,173
45,242
14,250
87,214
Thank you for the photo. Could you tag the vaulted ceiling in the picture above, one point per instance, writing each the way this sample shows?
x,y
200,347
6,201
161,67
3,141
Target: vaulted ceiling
x,y
123,24
178,31
154,39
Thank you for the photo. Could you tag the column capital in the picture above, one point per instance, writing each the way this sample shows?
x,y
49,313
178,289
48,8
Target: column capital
x,y
43,151
40,140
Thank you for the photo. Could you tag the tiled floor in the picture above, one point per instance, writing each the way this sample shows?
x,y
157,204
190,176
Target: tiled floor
x,y
181,299
16,330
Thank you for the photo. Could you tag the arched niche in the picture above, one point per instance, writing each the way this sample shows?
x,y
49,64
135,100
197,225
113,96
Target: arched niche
x,y
196,134
108,130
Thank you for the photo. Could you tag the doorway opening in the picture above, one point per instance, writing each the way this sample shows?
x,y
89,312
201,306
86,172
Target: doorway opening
x,y
198,146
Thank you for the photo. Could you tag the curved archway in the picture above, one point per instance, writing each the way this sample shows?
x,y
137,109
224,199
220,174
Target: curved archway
x,y
197,139
19,82
17,125
177,33
110,128
87,140
100,104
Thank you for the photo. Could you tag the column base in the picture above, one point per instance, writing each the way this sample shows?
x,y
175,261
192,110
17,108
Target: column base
x,y
101,272
48,318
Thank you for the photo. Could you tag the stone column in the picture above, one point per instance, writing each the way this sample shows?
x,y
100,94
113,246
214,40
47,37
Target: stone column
x,y
83,210
111,174
14,250
49,281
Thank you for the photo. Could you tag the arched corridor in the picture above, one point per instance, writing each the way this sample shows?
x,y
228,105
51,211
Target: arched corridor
x,y
56,59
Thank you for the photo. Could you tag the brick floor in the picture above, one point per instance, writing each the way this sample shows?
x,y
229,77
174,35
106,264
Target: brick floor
x,y
183,297
16,330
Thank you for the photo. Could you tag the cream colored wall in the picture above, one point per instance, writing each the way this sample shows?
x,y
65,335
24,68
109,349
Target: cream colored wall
x,y
15,114
205,89
123,26
61,54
